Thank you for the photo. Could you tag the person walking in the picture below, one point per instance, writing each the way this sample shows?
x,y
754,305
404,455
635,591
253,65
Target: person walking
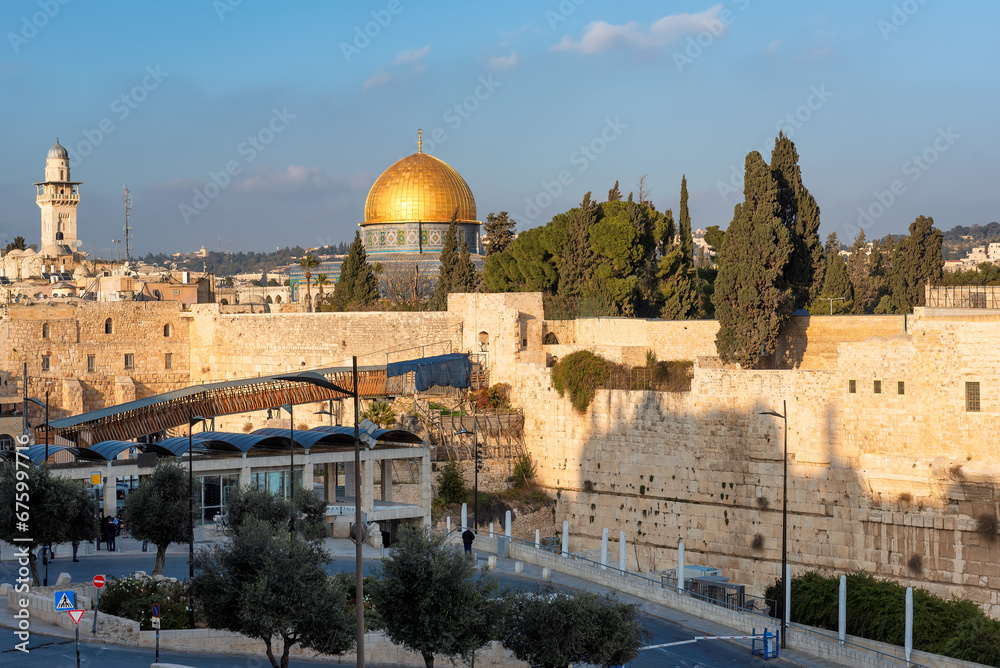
x,y
110,529
467,538
76,546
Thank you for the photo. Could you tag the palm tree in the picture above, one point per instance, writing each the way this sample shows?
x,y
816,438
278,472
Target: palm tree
x,y
308,263
321,280
380,413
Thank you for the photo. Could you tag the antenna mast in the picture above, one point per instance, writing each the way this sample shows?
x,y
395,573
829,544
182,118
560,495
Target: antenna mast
x,y
127,200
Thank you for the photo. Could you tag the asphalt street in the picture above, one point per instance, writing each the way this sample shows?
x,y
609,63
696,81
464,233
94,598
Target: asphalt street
x,y
54,652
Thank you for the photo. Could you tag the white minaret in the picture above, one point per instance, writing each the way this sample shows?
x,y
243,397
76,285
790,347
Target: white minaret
x,y
58,198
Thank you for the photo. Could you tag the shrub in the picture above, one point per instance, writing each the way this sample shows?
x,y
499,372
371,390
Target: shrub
x,y
451,484
524,470
495,397
380,413
986,526
580,374
955,628
133,596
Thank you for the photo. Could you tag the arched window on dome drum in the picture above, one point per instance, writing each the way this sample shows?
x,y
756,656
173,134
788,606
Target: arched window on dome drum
x,y
45,331
224,302
166,329
277,300
59,236
109,327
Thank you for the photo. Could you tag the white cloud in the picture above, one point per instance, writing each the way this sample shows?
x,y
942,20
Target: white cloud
x,y
267,179
772,48
380,78
504,62
601,36
411,55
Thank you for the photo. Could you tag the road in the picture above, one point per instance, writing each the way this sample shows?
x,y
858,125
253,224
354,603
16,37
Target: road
x,y
57,653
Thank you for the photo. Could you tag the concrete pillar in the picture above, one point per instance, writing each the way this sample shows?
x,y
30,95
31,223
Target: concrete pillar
x,y
538,538
506,524
349,478
622,560
788,595
447,525
386,469
245,478
565,539
604,549
842,610
908,638
367,484
465,516
425,485
491,529
110,492
307,471
680,565
330,482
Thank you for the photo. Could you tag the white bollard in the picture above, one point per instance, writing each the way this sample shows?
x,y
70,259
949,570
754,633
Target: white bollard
x,y
604,550
492,561
506,525
538,538
565,539
788,596
491,529
908,639
680,565
465,516
546,573
518,566
842,610
622,561
448,527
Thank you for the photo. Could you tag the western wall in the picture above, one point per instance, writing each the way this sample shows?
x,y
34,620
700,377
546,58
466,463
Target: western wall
x,y
892,483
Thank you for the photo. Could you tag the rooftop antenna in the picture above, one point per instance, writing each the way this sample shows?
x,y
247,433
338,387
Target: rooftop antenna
x,y
220,242
127,200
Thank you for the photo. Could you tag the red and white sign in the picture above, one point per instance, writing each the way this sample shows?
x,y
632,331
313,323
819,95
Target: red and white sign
x,y
77,615
98,581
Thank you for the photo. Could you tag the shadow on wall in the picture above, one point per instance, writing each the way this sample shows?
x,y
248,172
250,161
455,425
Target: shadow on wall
x,y
658,467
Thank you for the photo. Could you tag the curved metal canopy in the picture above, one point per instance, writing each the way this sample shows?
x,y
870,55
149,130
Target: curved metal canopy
x,y
36,453
380,435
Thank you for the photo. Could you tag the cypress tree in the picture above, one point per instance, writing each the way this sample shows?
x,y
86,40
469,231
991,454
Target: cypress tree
x,y
615,195
859,273
836,285
464,278
753,299
499,228
577,259
357,286
917,261
449,262
676,269
800,215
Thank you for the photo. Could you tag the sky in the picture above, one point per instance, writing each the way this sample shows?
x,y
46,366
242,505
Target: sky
x,y
265,124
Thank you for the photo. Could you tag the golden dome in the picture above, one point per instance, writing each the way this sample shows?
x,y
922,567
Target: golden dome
x,y
419,188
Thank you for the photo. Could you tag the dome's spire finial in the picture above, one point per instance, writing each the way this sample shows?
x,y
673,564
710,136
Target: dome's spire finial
x,y
420,141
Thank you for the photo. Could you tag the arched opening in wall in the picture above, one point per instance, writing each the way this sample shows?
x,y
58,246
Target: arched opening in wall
x,y
166,329
45,331
484,341
269,300
59,236
109,327
6,442
550,339
224,302
277,300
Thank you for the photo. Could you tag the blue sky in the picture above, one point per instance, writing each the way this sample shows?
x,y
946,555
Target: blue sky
x,y
307,102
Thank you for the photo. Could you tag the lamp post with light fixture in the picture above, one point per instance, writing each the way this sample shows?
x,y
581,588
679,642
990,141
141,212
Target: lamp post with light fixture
x,y
785,584
192,421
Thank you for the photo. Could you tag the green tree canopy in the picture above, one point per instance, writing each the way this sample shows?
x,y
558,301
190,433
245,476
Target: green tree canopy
x,y
678,287
52,509
248,503
308,263
550,629
449,259
753,301
499,228
357,287
430,600
576,264
916,262
836,286
269,585
157,510
17,244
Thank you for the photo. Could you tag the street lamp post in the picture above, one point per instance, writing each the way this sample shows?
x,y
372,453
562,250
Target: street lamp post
x,y
785,584
291,465
831,300
479,466
192,421
47,550
314,378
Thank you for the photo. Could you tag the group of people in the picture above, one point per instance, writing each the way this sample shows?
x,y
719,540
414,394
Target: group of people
x,y
110,526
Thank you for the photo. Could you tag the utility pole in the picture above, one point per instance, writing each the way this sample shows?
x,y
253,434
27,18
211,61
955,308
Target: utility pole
x,y
127,200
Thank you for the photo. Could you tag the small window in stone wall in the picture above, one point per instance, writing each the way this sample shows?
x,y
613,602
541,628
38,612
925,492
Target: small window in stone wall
x,y
852,386
109,327
168,361
166,330
129,361
46,362
45,331
901,388
972,397
878,387
91,363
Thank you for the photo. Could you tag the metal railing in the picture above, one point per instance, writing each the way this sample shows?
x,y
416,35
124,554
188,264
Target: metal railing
x,y
963,296
752,605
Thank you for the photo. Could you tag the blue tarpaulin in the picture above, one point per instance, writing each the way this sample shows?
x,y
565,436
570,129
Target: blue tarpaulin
x,y
453,369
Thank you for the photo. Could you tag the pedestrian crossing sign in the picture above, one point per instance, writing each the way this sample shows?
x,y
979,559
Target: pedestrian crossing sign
x,y
65,600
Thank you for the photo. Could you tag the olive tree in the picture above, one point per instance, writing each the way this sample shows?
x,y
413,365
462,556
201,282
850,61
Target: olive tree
x,y
158,509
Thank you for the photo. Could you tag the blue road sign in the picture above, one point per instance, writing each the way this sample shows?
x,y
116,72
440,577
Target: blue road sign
x,y
156,609
65,600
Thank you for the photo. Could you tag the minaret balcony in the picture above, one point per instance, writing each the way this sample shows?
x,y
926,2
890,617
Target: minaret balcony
x,y
57,198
